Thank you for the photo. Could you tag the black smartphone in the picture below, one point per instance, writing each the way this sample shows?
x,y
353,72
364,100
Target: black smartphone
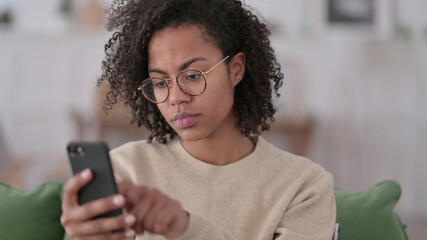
x,y
95,156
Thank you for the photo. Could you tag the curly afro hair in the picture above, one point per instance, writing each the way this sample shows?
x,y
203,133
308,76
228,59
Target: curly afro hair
x,y
232,27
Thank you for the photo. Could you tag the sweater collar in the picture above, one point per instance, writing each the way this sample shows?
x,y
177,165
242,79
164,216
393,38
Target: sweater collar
x,y
198,167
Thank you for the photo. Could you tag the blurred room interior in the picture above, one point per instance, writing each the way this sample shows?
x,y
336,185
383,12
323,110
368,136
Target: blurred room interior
x,y
353,98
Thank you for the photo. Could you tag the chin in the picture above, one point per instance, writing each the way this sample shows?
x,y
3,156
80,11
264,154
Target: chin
x,y
191,135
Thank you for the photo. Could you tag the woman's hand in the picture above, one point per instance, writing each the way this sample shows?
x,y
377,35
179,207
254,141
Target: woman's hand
x,y
154,211
76,218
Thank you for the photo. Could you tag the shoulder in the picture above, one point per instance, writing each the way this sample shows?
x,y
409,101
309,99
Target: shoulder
x,y
294,168
287,161
136,149
131,159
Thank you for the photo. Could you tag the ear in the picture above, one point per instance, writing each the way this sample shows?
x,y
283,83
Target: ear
x,y
237,68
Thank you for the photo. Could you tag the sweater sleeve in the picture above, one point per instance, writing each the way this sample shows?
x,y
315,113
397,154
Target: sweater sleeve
x,y
201,229
311,214
122,169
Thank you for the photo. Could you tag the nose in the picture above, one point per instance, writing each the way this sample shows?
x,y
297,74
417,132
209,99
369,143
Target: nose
x,y
176,95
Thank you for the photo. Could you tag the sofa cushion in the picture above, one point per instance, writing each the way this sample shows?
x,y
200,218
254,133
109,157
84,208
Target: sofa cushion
x,y
368,215
31,214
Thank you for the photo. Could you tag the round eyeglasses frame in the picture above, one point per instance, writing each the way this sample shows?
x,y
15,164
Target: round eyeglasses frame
x,y
169,86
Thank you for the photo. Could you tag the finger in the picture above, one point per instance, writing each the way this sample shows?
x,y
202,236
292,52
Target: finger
x,y
129,233
165,217
102,225
124,186
132,193
94,208
160,201
73,186
176,220
143,207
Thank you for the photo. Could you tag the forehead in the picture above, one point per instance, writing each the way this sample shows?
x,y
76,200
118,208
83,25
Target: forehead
x,y
178,44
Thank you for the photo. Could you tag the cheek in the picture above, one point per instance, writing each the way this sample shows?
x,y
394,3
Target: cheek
x,y
162,108
222,100
225,102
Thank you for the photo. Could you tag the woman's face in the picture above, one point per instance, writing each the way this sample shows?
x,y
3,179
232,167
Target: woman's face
x,y
194,118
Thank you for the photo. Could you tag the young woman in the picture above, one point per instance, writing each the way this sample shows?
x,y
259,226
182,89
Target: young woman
x,y
199,74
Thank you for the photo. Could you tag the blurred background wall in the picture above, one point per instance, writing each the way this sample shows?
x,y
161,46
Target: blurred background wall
x,y
355,77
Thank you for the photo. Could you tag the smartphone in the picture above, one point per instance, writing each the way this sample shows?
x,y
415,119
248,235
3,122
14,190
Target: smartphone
x,y
95,156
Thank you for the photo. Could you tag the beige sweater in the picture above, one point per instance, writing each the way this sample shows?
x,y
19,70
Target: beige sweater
x,y
269,194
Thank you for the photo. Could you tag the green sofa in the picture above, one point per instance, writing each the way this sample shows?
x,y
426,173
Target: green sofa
x,y
34,214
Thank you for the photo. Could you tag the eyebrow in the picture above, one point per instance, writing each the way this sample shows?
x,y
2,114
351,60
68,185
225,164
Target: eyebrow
x,y
181,68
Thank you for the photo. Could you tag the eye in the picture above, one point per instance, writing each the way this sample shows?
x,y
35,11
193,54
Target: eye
x,y
193,76
160,84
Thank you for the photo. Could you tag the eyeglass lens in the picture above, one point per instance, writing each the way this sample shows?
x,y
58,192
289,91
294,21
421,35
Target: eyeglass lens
x,y
192,82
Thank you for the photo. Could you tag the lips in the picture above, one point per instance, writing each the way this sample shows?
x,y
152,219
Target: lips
x,y
185,120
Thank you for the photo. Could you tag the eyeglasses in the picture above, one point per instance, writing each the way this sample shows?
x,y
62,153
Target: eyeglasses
x,y
192,82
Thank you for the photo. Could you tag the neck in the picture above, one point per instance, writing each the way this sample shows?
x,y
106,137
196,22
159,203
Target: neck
x,y
221,149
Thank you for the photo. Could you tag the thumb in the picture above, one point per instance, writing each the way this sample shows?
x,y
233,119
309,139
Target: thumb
x,y
125,188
